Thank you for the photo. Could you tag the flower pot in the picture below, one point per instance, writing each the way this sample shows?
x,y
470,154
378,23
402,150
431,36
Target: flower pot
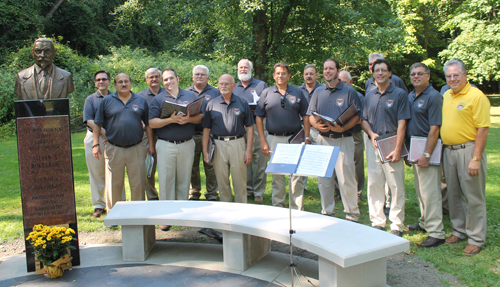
x,y
53,271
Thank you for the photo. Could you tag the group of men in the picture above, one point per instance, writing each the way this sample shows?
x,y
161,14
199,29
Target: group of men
x,y
246,120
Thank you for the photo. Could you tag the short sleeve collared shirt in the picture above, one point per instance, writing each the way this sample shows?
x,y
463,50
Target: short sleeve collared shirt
x,y
306,93
463,114
332,102
426,111
148,95
228,119
283,112
383,111
172,132
208,93
254,86
91,105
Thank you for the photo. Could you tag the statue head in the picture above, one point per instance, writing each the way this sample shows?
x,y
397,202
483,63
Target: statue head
x,y
43,52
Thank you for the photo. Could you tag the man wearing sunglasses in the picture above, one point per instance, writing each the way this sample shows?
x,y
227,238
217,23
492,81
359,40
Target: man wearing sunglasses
x,y
283,106
96,166
332,100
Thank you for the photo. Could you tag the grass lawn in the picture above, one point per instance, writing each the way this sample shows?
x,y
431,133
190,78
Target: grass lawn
x,y
480,270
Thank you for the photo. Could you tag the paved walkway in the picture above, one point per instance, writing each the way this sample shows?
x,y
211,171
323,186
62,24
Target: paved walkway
x,y
169,264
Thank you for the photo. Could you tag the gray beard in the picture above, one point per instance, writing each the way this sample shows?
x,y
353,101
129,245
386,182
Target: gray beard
x,y
244,77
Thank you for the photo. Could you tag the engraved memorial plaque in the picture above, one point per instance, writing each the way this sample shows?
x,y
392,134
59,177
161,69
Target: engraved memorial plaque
x,y
46,168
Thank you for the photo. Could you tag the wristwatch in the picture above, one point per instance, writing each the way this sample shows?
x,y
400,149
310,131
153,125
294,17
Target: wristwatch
x,y
307,138
476,158
427,155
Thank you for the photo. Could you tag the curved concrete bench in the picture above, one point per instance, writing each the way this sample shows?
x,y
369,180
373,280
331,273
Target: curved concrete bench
x,y
350,254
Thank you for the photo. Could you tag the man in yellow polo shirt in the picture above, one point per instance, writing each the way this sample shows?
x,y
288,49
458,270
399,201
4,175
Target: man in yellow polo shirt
x,y
466,122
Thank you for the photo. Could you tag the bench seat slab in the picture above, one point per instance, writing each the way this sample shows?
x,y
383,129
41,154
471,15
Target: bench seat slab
x,y
137,241
371,273
242,250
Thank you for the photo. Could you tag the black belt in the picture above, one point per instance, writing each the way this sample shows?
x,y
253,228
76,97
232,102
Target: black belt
x,y
459,146
228,138
338,136
198,133
174,142
124,146
283,134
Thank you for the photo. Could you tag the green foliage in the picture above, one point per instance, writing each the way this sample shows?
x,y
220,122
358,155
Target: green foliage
x,y
475,27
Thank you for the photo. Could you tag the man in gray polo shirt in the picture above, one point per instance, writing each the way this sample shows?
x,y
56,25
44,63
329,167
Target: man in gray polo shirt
x,y
371,84
332,100
175,145
153,79
283,106
123,115
201,88
248,88
228,119
385,110
95,166
426,115
357,135
308,87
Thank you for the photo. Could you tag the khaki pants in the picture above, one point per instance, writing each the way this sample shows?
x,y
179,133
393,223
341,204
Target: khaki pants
x,y
151,192
175,162
359,159
97,169
117,159
256,171
279,184
229,157
210,180
428,189
378,175
344,171
466,194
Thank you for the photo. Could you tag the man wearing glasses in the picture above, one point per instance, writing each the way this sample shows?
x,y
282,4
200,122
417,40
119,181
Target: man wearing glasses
x,y
332,100
153,79
123,115
372,84
201,88
283,106
96,166
228,118
385,111
426,115
466,123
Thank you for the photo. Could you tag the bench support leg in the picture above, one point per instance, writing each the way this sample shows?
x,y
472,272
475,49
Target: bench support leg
x,y
243,250
372,273
137,241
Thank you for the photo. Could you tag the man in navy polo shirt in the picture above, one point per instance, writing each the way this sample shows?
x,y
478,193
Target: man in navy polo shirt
x,y
228,119
175,145
332,100
201,88
385,110
249,88
426,116
123,115
283,106
153,79
95,166
308,87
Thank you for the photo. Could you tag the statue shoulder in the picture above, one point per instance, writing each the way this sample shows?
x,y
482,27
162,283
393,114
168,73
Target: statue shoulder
x,y
26,73
62,72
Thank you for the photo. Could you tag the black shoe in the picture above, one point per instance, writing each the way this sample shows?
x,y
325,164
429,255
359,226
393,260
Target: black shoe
x,y
98,212
213,199
416,227
432,242
192,198
397,233
212,233
379,228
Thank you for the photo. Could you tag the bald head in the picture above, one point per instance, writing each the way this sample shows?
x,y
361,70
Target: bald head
x,y
345,77
226,84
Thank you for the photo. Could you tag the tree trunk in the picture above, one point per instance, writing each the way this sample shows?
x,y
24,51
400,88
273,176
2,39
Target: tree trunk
x,y
53,9
260,33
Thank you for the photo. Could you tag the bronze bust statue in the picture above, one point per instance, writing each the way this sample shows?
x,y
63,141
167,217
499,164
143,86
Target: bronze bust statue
x,y
43,80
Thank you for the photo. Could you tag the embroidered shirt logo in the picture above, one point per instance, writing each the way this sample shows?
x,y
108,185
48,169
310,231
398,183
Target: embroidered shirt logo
x,y
185,102
421,103
208,97
390,103
135,108
460,106
292,99
237,111
340,102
